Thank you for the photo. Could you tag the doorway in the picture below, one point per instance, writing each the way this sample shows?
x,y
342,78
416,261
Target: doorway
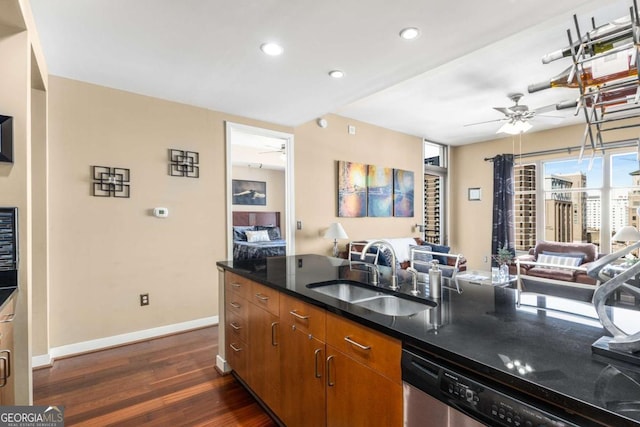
x,y
264,157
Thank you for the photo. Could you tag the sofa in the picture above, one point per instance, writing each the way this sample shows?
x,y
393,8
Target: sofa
x,y
557,268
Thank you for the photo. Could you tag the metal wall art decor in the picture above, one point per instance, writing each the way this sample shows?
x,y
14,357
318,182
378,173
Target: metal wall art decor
x,y
620,345
184,163
6,139
110,182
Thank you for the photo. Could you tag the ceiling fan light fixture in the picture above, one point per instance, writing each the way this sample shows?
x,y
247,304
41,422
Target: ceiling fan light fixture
x,y
515,127
410,33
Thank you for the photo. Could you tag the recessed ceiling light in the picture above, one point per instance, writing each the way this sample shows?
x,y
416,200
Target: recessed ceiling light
x,y
272,49
410,33
336,74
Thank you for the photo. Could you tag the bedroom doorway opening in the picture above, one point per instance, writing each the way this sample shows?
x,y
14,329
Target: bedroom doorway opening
x,y
259,189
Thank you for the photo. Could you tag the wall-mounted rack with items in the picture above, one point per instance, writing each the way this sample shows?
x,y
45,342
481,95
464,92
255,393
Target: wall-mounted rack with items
x,y
604,69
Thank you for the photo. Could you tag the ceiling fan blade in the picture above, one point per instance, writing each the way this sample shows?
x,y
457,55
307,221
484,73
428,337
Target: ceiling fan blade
x,y
545,109
503,110
488,121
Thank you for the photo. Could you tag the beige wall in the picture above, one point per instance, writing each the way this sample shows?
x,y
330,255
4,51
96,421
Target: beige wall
x,y
316,152
276,193
470,221
107,251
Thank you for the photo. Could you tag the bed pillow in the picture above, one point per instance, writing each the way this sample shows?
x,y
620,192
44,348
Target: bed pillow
x,y
239,232
560,261
272,230
257,236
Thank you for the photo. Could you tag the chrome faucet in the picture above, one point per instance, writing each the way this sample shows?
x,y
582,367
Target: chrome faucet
x,y
414,278
375,272
387,245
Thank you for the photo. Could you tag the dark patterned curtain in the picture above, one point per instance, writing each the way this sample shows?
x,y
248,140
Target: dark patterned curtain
x,y
503,201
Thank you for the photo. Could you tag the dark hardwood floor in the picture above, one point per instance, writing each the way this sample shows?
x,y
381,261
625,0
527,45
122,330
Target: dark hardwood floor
x,y
168,381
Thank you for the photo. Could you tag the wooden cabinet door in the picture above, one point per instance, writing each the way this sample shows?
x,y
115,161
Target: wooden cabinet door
x,y
359,396
303,378
264,356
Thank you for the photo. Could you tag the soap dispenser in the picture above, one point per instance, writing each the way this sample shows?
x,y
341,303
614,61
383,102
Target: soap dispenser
x,y
435,280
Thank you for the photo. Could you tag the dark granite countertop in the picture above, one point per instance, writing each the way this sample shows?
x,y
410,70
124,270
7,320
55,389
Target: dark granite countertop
x,y
6,294
482,329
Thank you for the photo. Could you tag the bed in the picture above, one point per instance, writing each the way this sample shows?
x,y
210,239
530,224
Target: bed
x,y
257,235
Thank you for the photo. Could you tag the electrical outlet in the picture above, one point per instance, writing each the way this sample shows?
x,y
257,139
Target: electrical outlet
x,y
486,259
299,225
351,129
144,299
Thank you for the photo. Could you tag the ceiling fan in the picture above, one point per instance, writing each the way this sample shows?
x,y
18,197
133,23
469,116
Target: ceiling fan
x,y
281,150
517,116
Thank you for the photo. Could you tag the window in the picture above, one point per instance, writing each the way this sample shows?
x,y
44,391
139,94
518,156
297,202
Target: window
x,y
435,174
525,206
576,201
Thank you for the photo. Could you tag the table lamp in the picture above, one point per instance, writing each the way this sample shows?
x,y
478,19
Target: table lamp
x,y
335,232
628,233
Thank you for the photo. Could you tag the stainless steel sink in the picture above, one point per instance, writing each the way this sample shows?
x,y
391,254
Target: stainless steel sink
x,y
345,291
393,306
371,299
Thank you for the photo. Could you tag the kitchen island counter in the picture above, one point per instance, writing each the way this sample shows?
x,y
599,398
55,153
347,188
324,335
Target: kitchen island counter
x,y
543,354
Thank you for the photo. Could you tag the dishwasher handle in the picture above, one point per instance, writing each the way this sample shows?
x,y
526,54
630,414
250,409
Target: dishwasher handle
x,y
421,373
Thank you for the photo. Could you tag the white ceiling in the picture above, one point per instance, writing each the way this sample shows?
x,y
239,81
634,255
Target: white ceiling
x,y
470,55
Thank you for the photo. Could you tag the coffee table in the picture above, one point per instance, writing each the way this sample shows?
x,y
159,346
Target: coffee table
x,y
483,278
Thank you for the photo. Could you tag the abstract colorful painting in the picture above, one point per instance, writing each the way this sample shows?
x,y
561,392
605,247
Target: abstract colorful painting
x,y
379,191
403,185
352,189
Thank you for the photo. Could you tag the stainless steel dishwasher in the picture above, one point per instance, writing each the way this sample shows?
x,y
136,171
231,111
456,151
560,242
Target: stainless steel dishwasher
x,y
436,395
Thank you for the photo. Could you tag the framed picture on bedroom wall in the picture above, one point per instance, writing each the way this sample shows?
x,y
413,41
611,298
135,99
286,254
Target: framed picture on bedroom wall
x,y
403,188
249,192
352,189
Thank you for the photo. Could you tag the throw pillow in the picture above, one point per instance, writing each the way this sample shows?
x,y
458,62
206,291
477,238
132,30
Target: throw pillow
x,y
443,260
420,256
560,261
579,255
257,236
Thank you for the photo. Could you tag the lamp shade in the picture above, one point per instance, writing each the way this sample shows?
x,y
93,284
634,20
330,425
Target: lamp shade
x,y
335,231
628,233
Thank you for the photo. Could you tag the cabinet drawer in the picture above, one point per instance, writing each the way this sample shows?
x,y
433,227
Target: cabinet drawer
x,y
237,328
306,317
237,284
237,355
374,349
267,298
237,306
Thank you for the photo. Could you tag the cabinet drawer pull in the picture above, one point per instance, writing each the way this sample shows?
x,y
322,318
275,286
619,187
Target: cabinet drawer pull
x,y
234,348
317,353
274,341
299,316
235,326
236,285
7,318
329,382
360,346
234,304
262,297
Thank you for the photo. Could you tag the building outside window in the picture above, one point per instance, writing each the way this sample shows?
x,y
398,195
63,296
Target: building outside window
x,y
435,174
576,201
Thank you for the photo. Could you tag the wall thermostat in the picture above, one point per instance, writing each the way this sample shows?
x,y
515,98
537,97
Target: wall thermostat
x,y
161,212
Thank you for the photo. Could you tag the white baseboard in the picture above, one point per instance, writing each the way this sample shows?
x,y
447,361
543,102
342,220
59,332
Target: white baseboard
x,y
222,365
102,343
